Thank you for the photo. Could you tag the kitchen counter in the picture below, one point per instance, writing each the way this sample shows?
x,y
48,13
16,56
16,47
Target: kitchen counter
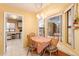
x,y
14,35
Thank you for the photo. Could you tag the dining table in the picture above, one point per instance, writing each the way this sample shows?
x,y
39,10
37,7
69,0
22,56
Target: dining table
x,y
41,43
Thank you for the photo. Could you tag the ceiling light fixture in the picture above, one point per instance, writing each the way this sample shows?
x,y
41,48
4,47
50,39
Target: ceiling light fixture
x,y
13,16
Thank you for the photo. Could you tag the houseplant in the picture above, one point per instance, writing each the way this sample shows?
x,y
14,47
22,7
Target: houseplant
x,y
76,22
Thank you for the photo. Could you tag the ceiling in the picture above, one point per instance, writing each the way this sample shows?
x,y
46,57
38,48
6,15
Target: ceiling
x,y
32,7
35,7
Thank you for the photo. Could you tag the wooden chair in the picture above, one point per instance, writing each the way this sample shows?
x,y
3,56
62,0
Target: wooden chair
x,y
31,44
52,48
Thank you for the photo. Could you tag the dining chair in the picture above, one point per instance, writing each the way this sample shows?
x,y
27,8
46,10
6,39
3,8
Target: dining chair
x,y
31,44
52,48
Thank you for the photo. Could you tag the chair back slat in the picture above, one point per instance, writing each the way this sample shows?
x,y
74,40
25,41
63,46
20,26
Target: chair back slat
x,y
54,42
30,42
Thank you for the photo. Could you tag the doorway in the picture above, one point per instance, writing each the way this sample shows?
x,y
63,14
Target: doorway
x,y
12,32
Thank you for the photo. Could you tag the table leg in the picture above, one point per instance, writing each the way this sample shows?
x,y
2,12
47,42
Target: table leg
x,y
50,53
28,52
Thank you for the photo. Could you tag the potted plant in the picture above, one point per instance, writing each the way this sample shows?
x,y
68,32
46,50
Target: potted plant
x,y
76,22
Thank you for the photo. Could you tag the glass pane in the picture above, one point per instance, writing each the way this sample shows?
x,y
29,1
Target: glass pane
x,y
55,27
10,27
41,27
69,18
70,31
70,34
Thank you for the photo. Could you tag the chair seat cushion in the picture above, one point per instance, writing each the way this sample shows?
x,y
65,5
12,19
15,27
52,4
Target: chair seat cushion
x,y
51,48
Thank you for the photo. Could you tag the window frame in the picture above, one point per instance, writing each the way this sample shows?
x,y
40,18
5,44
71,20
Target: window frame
x,y
58,15
72,44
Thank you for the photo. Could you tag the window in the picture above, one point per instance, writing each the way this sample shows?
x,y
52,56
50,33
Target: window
x,y
41,27
55,27
10,27
70,30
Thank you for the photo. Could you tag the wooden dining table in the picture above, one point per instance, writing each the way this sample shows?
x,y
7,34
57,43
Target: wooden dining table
x,y
41,42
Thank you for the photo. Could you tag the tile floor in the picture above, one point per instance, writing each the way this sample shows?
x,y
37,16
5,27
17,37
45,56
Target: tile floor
x,y
14,48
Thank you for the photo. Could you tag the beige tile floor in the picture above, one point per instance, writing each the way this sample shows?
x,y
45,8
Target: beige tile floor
x,y
14,48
